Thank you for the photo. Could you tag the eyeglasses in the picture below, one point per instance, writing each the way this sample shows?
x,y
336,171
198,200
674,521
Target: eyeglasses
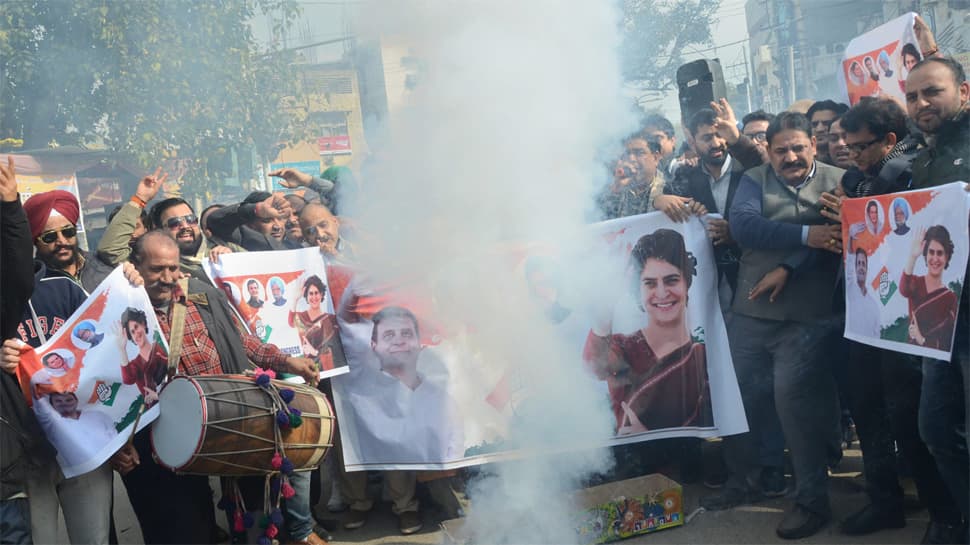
x,y
176,222
760,136
50,237
860,147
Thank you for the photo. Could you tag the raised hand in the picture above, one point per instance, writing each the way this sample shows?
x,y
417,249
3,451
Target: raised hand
x,y
149,186
8,181
726,123
292,178
924,36
275,206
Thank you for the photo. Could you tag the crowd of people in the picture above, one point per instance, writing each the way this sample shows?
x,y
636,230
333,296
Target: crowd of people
x,y
778,182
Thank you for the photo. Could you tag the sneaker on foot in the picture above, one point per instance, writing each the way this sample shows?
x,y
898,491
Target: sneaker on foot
x,y
355,519
409,522
872,519
773,482
800,522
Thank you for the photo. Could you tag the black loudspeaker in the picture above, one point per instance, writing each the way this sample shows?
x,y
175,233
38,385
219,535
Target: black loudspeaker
x,y
698,83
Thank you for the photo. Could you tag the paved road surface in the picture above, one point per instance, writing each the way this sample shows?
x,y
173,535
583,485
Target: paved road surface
x,y
753,524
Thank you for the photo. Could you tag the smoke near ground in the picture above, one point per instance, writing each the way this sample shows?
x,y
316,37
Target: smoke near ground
x,y
502,140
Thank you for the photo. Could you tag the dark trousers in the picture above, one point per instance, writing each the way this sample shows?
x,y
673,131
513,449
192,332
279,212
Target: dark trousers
x,y
15,522
943,416
788,362
883,391
170,508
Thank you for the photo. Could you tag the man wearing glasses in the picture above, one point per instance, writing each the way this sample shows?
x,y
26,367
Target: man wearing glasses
x,y
53,218
820,115
755,126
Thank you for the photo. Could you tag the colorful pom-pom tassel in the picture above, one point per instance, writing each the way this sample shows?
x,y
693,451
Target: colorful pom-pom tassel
x,y
264,522
263,540
271,531
277,461
248,520
237,523
262,380
295,421
276,516
287,466
282,419
287,395
288,491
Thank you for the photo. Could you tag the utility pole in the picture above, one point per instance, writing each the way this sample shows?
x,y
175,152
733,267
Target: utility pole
x,y
747,76
791,74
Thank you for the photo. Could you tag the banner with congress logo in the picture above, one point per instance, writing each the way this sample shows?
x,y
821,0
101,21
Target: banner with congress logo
x,y
92,379
284,299
617,332
877,63
905,261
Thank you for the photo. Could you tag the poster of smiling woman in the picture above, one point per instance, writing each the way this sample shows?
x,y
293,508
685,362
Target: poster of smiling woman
x,y
617,331
284,299
905,261
877,63
90,381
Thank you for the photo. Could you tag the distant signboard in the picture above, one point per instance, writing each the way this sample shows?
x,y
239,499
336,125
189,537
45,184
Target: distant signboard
x,y
334,145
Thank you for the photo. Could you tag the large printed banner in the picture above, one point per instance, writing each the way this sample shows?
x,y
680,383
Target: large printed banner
x,y
878,62
88,383
654,358
284,299
905,261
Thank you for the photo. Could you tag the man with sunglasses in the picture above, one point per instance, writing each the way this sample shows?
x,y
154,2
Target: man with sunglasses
x,y
53,218
820,115
176,217
129,221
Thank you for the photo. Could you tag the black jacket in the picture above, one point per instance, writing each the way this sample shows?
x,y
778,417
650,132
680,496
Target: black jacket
x,y
22,442
694,182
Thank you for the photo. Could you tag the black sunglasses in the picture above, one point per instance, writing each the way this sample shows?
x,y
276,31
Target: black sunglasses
x,y
176,222
50,237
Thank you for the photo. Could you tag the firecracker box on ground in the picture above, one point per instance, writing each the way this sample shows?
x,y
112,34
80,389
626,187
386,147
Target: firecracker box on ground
x,y
612,511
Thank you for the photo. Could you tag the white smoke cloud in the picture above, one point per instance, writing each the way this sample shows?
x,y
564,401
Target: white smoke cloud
x,y
501,140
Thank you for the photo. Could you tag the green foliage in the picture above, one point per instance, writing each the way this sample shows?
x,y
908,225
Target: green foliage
x,y
657,33
149,79
897,331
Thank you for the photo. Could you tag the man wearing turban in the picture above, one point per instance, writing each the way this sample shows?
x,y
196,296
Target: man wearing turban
x,y
53,217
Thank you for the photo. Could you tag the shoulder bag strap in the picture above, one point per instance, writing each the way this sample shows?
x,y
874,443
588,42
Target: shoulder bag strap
x,y
179,309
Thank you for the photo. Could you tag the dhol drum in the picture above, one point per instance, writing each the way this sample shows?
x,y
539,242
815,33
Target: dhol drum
x,y
226,425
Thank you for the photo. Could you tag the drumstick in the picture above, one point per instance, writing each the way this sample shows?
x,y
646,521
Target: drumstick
x,y
134,428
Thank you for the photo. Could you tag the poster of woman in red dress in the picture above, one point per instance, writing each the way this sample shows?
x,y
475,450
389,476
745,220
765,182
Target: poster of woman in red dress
x,y
657,376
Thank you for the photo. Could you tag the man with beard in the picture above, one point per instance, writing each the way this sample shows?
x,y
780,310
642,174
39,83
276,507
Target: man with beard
x,y
258,223
724,155
211,344
821,115
177,218
838,149
937,98
784,336
53,218
129,221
